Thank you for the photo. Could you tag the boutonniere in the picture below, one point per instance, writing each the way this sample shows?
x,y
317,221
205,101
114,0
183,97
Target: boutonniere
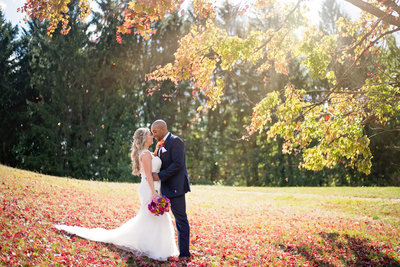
x,y
160,144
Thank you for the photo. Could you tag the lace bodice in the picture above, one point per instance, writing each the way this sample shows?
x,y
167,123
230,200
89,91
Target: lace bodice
x,y
155,162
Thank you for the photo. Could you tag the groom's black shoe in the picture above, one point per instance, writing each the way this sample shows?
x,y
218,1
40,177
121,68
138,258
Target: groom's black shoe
x,y
185,259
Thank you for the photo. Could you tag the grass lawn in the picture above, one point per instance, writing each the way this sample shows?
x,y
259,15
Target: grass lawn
x,y
230,226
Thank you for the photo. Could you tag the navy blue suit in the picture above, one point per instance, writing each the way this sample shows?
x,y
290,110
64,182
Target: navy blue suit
x,y
174,184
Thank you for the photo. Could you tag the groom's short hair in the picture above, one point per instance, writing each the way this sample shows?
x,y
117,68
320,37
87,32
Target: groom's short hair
x,y
159,124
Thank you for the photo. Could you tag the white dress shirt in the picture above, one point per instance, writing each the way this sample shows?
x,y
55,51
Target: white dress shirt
x,y
165,137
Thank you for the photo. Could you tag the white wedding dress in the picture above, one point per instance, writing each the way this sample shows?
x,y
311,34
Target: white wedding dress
x,y
145,234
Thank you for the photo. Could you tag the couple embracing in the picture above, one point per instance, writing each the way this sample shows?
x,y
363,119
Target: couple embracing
x,y
163,172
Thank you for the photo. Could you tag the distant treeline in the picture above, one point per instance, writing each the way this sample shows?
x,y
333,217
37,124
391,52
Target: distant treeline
x,y
70,105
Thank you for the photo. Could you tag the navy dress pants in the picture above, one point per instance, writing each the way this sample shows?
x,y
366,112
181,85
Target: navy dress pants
x,y
178,207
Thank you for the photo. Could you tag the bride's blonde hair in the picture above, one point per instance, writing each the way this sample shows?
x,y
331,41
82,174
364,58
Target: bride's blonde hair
x,y
138,140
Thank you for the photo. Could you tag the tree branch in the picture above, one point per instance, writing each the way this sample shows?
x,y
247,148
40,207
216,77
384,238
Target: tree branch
x,y
383,131
344,75
368,34
376,12
391,4
368,119
280,26
336,92
337,138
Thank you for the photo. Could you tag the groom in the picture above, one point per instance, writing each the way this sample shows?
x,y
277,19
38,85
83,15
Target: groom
x,y
174,180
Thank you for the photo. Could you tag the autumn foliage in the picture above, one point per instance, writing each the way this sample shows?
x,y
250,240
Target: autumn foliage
x,y
229,225
55,12
139,16
208,52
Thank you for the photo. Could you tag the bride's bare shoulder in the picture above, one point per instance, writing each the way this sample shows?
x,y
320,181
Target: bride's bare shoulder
x,y
145,154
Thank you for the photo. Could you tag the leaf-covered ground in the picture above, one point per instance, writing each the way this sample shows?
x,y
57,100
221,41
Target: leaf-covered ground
x,y
230,226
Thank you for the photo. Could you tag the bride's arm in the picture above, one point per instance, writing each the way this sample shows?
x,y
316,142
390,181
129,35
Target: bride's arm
x,y
146,163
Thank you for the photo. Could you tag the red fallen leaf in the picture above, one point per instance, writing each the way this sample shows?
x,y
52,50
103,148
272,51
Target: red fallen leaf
x,y
230,239
326,117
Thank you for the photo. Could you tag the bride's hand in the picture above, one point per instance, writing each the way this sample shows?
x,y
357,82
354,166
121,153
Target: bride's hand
x,y
155,195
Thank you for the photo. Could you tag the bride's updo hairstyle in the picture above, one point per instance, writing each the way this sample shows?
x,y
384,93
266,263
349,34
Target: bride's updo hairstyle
x,y
138,140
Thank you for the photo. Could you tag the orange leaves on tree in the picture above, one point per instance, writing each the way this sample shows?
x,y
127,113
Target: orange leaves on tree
x,y
139,16
55,12
207,48
204,9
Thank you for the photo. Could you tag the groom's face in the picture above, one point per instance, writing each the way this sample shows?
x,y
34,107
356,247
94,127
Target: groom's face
x,y
157,133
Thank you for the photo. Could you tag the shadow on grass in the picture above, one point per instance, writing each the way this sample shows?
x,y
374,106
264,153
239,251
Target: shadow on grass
x,y
130,257
133,260
363,251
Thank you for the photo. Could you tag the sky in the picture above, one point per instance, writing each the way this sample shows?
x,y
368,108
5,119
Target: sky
x,y
10,9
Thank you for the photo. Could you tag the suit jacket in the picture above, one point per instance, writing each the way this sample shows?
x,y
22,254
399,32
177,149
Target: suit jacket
x,y
173,173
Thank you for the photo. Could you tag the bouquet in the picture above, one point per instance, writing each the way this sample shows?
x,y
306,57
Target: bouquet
x,y
159,206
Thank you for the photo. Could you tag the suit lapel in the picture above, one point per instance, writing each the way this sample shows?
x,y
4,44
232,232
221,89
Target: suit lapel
x,y
168,140
166,143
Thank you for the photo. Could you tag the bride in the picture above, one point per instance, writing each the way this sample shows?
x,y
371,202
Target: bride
x,y
145,234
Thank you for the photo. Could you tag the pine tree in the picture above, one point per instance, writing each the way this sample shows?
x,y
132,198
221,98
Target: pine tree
x,y
12,98
329,14
56,74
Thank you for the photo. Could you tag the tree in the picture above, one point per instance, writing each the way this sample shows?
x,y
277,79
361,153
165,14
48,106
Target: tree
x,y
330,12
91,94
52,134
12,88
327,125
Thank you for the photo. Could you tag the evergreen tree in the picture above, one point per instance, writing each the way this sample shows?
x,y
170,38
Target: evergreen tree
x,y
329,14
130,101
57,115
385,139
11,98
71,104
92,95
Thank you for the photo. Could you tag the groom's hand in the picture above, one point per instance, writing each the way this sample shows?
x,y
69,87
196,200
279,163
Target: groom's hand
x,y
155,176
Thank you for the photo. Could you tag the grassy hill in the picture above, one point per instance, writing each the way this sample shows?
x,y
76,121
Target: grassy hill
x,y
229,225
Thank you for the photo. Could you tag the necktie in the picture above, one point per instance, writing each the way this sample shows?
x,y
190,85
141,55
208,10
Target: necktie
x,y
159,144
